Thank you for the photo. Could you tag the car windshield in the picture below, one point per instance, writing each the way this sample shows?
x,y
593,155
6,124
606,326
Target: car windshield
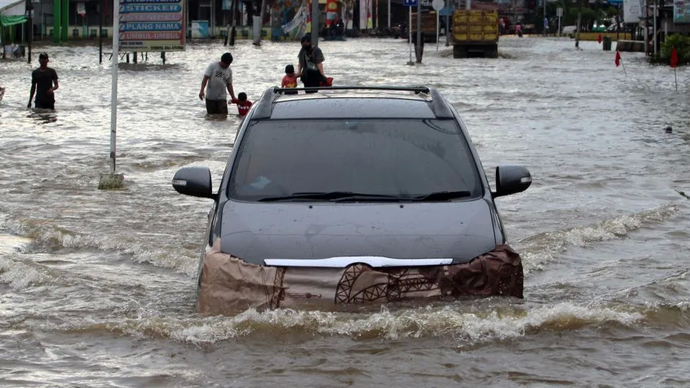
x,y
362,159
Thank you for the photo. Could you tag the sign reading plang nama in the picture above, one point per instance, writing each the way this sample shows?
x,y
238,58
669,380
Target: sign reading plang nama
x,y
152,25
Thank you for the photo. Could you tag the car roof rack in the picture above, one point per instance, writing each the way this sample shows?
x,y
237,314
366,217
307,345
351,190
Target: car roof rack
x,y
417,89
438,103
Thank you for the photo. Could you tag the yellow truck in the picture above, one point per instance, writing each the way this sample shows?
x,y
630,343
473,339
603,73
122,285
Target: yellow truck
x,y
475,33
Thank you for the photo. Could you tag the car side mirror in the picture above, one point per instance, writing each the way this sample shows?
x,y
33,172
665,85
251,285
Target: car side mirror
x,y
193,181
511,180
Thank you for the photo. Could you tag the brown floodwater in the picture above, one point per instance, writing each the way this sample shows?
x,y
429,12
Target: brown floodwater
x,y
97,289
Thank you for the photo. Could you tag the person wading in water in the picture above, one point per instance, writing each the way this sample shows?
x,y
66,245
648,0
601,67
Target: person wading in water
x,y
217,83
310,66
44,82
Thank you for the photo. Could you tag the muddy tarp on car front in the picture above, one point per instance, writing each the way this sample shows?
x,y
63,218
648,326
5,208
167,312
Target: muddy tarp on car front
x,y
230,285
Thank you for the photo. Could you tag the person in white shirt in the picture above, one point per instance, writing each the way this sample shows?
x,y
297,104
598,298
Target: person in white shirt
x,y
217,83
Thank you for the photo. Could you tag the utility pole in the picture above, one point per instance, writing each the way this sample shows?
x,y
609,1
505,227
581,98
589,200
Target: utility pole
x,y
655,34
545,25
30,11
212,21
315,23
113,180
409,33
56,21
448,29
64,20
101,8
257,38
579,24
418,46
227,27
389,15
646,29
233,12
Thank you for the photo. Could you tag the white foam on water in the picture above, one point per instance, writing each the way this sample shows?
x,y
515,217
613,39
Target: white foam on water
x,y
9,243
536,251
465,327
20,275
16,274
55,238
540,250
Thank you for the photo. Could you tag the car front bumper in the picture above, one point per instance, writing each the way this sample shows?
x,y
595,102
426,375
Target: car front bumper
x,y
230,285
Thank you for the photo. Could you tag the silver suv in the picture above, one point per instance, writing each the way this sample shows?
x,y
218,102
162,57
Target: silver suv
x,y
352,195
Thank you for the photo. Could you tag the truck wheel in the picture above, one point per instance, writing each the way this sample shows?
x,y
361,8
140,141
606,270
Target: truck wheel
x,y
492,51
459,51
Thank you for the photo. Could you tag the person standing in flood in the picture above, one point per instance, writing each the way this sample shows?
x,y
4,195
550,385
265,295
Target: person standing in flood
x,y
310,66
44,83
217,83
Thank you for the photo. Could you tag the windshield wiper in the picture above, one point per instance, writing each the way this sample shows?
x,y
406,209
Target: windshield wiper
x,y
333,196
345,196
441,196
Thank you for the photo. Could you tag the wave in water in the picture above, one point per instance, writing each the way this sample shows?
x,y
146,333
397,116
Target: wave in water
x,y
46,237
540,250
465,327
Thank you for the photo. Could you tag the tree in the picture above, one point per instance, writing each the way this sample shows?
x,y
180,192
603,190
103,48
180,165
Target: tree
x,y
682,45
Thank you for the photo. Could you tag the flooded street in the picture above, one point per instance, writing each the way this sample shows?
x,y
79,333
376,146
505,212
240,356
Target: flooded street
x,y
97,289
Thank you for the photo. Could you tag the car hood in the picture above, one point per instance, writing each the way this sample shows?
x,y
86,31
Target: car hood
x,y
460,230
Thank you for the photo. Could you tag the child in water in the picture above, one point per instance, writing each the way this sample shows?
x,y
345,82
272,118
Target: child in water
x,y
290,79
243,104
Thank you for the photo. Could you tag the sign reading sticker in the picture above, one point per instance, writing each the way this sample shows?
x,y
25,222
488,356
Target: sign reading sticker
x,y
152,25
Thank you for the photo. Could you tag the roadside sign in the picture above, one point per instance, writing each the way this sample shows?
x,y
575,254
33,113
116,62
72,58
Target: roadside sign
x,y
633,11
438,5
410,3
152,25
559,12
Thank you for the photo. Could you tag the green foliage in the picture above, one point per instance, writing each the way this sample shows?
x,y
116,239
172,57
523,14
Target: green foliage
x,y
682,44
591,13
588,16
611,12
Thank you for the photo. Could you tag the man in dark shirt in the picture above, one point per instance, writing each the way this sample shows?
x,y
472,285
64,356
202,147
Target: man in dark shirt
x,y
44,82
310,65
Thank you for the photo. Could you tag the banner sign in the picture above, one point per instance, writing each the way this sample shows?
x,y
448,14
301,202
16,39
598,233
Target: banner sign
x,y
152,25
681,11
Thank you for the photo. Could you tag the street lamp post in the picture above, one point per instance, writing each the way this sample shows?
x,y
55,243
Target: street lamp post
x,y
29,15
389,15
315,23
